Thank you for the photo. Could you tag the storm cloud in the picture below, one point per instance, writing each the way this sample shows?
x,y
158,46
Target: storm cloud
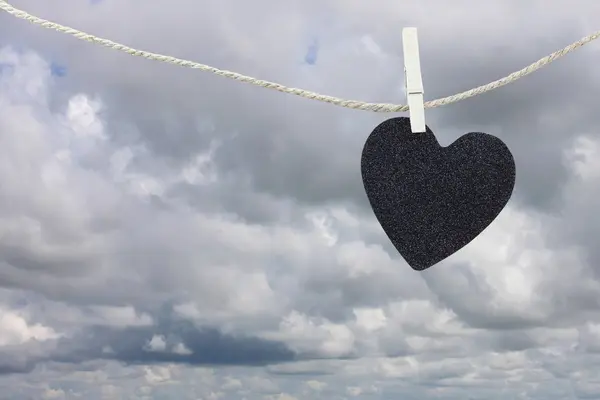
x,y
168,233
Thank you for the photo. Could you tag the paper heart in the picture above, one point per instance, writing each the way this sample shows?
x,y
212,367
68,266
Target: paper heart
x,y
430,200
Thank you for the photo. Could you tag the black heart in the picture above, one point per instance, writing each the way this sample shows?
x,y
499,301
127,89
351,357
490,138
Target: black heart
x,y
430,200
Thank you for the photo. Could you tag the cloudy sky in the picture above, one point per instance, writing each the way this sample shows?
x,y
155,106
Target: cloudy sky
x,y
170,234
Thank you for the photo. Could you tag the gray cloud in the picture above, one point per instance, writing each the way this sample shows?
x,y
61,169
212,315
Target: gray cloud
x,y
165,232
204,347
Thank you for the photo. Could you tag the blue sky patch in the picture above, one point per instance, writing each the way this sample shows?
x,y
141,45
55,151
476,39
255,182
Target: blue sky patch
x,y
312,53
58,70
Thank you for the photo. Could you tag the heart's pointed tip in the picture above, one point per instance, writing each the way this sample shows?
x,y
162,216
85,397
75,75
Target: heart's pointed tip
x,y
420,268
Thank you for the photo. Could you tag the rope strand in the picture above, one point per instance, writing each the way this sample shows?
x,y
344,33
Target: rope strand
x,y
352,104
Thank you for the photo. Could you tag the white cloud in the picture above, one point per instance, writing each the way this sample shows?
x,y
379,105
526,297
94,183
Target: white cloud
x,y
121,316
15,329
255,222
181,349
157,343
54,394
157,375
316,385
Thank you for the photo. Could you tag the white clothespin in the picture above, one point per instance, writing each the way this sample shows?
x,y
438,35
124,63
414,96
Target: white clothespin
x,y
413,81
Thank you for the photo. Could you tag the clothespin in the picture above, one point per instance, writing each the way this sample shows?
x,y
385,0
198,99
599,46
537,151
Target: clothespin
x,y
413,81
